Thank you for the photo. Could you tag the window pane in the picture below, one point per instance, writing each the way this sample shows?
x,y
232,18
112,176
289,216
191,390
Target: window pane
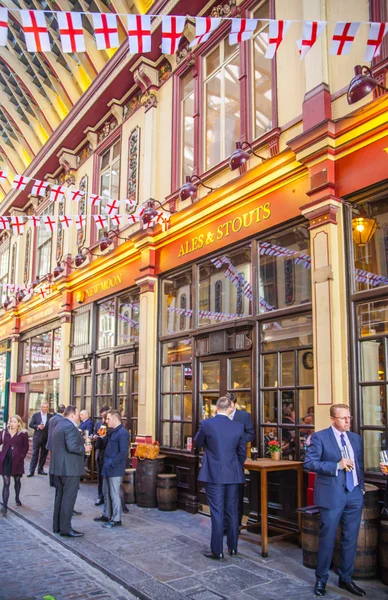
x,y
210,375
213,101
187,378
372,367
176,407
44,258
243,401
176,379
128,319
166,407
374,442
288,406
166,379
287,333
187,436
187,407
187,136
262,77
208,404
306,406
306,367
374,405
232,105
176,435
270,365
57,349
177,351
288,443
26,357
213,61
287,366
106,313
372,318
41,352
240,373
166,434
176,303
77,385
270,408
269,434
105,159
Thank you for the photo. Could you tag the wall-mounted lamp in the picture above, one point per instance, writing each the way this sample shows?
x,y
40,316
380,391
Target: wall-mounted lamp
x,y
362,84
363,228
150,211
36,282
81,256
239,157
6,302
189,189
107,241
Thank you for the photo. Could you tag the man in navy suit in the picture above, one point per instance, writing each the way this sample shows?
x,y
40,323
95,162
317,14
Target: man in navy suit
x,y
335,455
39,423
222,472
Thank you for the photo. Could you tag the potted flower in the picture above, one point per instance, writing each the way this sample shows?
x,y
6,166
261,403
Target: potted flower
x,y
274,449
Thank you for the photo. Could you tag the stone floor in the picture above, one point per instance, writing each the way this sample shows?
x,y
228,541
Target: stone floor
x,y
158,555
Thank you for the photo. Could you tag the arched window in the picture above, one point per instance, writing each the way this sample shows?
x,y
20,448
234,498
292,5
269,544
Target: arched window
x,y
182,317
239,295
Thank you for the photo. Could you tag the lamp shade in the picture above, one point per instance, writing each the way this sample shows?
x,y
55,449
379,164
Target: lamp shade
x,y
7,302
363,229
58,270
35,283
105,243
20,295
79,259
149,214
362,84
188,189
238,158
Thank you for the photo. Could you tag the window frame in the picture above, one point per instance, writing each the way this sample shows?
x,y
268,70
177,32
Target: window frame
x,y
103,171
5,248
47,241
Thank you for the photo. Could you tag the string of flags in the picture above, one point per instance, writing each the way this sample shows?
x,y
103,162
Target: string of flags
x,y
138,30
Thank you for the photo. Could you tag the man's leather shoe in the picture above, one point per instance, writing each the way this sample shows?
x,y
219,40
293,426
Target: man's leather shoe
x,y
351,587
99,502
213,556
320,588
42,473
232,552
109,524
72,533
30,475
76,513
102,518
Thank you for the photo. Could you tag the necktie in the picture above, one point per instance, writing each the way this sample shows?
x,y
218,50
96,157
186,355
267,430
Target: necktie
x,y
349,481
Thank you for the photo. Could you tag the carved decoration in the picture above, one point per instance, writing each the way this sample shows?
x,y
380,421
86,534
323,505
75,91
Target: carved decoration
x,y
106,129
133,167
164,71
224,9
149,99
13,263
83,187
84,153
183,53
132,105
27,259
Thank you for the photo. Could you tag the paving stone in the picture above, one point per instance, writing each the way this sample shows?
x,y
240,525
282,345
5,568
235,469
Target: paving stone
x,y
154,589
161,567
206,595
229,580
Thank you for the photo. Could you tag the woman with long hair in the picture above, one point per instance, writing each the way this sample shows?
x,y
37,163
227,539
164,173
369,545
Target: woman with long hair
x,y
14,441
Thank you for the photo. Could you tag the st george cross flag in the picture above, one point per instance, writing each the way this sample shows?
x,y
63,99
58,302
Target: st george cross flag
x,y
39,188
80,221
139,33
3,26
49,223
20,182
3,176
4,223
76,195
100,221
172,29
311,32
343,38
35,31
116,220
105,30
204,26
242,30
94,200
17,224
35,221
65,221
376,35
277,31
57,193
111,207
71,32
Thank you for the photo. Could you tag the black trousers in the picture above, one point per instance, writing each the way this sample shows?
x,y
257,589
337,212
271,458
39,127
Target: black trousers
x,y
100,460
386,495
65,496
39,453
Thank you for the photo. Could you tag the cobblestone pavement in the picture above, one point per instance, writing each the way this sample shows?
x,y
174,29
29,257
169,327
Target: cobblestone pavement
x,y
158,555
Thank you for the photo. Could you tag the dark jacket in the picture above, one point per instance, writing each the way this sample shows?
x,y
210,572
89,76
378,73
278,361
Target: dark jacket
x,y
225,450
19,445
116,452
86,426
322,456
55,419
40,435
67,450
242,416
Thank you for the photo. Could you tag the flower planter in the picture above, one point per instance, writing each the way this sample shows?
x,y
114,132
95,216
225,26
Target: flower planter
x,y
275,455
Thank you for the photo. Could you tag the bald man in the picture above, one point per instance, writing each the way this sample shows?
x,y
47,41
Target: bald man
x,y
86,423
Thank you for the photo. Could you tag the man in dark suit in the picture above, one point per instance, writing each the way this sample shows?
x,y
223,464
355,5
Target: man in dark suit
x,y
99,446
39,422
335,455
58,416
86,423
222,472
67,466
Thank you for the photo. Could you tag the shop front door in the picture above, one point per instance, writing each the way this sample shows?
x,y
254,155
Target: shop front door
x,y
127,397
82,392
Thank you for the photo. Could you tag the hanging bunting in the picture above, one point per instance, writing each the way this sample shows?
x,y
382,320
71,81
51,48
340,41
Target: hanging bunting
x,y
80,221
100,221
50,223
71,32
35,31
76,195
376,35
3,26
35,221
172,29
94,200
277,31
343,38
139,33
3,175
117,220
111,207
311,32
105,30
39,188
204,27
20,182
242,30
17,224
57,193
65,221
4,223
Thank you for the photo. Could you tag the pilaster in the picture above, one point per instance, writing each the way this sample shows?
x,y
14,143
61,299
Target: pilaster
x,y
13,373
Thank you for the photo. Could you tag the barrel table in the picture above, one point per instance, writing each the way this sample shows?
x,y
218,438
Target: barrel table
x,y
146,475
166,492
310,537
383,551
129,486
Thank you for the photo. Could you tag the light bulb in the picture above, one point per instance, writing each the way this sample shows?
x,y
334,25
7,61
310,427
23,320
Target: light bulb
x,y
360,227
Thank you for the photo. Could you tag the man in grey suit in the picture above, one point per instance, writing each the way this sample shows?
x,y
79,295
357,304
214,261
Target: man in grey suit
x,y
55,419
67,466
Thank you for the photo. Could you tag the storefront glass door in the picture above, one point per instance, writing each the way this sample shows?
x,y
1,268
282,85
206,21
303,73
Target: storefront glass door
x,y
127,397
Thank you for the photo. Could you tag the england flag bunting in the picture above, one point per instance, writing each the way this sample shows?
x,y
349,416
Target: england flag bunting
x,y
100,221
204,27
20,182
94,200
76,195
242,30
277,31
139,33
35,31
105,30
116,220
80,221
57,193
71,32
3,26
49,223
3,175
4,223
39,188
65,221
17,224
172,29
376,35
35,221
311,32
111,207
343,38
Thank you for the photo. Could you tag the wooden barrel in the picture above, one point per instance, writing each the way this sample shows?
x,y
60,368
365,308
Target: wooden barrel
x,y
383,551
166,492
129,486
146,474
365,564
310,537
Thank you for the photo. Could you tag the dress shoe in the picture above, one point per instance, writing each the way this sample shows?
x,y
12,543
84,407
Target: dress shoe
x,y
4,510
17,502
42,473
351,587
99,502
72,533
384,514
76,513
110,524
232,552
55,530
30,475
102,518
320,588
213,556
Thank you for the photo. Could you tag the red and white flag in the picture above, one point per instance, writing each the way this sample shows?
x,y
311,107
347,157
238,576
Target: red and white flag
x,y
3,26
343,38
172,29
139,33
204,27
20,182
76,195
71,32
17,224
100,221
311,32
39,188
65,221
3,176
57,193
111,207
4,223
376,35
49,223
105,30
80,221
35,221
130,203
242,30
116,220
94,200
140,212
277,31
133,219
35,31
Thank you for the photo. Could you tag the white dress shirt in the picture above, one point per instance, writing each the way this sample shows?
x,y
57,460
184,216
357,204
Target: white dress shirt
x,y
43,417
337,435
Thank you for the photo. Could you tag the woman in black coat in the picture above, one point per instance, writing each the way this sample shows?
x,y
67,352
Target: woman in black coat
x,y
14,441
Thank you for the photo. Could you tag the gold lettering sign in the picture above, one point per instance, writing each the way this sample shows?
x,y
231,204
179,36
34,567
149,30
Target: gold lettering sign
x,y
256,215
39,316
104,285
143,5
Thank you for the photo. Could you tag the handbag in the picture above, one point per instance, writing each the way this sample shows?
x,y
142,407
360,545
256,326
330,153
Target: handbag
x,y
149,451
